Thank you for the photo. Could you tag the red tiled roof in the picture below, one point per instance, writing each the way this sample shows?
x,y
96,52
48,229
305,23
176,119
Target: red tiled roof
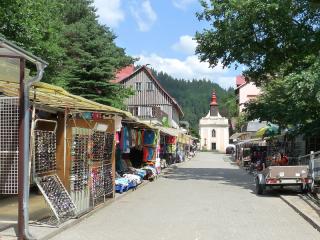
x,y
240,80
123,73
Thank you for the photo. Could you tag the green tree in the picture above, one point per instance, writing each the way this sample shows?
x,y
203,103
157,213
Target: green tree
x,y
293,100
92,57
35,26
266,36
194,98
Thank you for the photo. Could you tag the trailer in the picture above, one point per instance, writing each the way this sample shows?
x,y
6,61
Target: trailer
x,y
283,176
303,171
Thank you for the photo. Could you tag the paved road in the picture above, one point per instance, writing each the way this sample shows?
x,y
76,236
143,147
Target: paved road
x,y
203,199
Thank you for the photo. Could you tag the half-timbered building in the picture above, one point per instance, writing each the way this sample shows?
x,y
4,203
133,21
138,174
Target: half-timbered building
x,y
151,101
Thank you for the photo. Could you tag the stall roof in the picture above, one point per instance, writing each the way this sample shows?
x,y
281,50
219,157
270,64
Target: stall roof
x,y
10,50
170,131
55,97
138,123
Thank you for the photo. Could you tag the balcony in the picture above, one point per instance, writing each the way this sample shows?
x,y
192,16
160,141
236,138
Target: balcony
x,y
153,114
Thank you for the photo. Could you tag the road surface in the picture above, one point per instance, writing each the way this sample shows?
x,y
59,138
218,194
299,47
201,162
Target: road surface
x,y
206,198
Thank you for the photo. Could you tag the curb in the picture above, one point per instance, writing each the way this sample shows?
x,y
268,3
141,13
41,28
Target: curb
x,y
305,216
107,203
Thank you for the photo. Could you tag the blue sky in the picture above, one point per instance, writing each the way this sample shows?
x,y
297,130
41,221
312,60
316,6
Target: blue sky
x,y
160,33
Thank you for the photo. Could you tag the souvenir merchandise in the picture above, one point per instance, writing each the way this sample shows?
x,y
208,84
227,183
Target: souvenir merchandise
x,y
56,195
44,151
79,159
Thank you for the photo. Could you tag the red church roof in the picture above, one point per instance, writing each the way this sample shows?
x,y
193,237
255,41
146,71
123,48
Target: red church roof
x,y
213,99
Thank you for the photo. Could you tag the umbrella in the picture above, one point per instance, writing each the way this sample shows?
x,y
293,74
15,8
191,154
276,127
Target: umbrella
x,y
268,131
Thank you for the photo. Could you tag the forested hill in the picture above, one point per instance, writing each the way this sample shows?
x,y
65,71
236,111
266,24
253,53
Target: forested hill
x,y
194,97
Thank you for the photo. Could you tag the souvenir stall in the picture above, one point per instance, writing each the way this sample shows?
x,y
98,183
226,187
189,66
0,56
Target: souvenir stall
x,y
168,145
137,154
72,146
250,151
90,148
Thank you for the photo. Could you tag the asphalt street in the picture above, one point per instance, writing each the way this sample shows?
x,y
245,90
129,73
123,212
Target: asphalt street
x,y
204,199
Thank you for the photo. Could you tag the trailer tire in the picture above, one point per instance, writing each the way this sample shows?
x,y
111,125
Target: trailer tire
x,y
259,187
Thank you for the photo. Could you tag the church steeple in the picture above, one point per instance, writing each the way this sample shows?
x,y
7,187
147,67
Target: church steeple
x,y
213,105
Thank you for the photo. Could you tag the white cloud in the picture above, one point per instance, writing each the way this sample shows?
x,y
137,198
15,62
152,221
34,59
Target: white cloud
x,y
189,68
144,15
110,12
185,45
182,4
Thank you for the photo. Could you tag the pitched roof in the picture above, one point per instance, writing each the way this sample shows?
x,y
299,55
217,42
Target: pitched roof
x,y
123,73
240,80
149,73
9,49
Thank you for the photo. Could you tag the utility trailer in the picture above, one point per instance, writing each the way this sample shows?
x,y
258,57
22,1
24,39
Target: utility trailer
x,y
303,171
283,176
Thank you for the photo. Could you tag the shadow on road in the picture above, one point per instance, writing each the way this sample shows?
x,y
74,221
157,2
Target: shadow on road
x,y
226,176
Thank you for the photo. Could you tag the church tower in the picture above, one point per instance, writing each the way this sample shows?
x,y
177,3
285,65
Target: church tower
x,y
214,129
214,111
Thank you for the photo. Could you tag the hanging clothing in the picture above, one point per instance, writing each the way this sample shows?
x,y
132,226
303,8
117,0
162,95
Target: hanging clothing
x,y
171,140
124,141
148,154
149,137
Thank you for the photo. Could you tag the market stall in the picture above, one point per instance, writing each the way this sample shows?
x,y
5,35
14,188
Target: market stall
x,y
72,147
137,154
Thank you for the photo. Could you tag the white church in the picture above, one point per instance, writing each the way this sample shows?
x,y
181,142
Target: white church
x,y
214,129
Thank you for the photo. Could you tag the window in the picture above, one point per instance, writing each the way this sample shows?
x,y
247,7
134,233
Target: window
x,y
213,133
149,86
134,111
138,86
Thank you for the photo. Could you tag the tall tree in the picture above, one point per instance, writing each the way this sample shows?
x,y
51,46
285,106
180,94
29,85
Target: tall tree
x,y
266,36
92,57
35,26
194,97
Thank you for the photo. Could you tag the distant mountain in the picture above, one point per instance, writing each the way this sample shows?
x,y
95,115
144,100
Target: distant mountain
x,y
194,97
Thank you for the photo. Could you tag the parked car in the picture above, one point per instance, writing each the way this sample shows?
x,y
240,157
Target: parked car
x,y
230,149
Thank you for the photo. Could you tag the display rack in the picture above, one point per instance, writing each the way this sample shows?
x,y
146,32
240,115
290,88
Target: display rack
x,y
9,137
57,197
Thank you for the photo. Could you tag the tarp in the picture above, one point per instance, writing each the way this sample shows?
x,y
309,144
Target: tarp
x,y
170,131
56,97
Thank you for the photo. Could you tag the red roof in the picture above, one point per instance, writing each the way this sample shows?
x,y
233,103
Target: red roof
x,y
240,80
213,99
148,71
123,73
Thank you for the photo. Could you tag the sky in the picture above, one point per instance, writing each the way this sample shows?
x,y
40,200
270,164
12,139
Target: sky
x,y
160,33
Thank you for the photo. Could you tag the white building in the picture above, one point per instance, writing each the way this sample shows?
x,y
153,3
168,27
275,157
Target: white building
x,y
214,129
245,92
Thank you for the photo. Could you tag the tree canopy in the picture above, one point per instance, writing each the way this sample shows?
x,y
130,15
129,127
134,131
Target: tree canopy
x,y
82,54
265,36
278,42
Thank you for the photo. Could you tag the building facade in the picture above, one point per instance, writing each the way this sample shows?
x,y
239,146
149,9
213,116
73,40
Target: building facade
x,y
245,91
151,102
214,129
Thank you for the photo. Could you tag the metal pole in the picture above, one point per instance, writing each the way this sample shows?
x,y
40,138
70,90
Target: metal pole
x,y
21,222
24,154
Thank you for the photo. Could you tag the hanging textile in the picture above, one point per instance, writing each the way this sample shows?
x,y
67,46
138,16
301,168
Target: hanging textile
x,y
148,154
171,140
149,137
124,141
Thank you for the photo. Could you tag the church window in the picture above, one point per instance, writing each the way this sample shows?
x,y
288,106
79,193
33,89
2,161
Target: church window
x,y
213,133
